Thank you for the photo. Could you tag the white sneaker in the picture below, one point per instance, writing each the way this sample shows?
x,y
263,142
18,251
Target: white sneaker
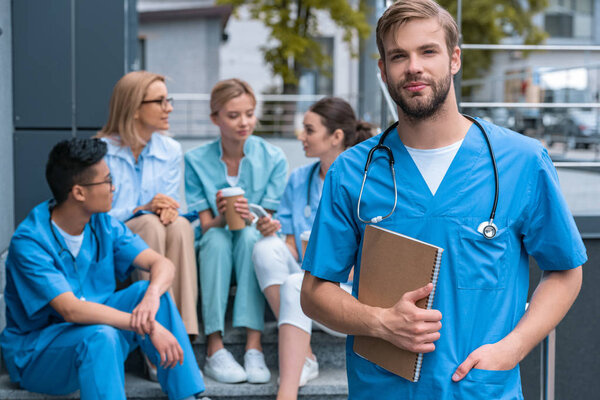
x,y
256,369
222,367
310,370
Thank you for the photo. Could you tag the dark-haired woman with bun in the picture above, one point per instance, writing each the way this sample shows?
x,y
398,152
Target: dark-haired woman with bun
x,y
330,127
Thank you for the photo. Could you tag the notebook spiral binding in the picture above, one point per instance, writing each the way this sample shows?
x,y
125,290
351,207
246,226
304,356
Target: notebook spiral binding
x,y
434,277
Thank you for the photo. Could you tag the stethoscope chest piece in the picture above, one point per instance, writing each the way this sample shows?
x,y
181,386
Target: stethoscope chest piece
x,y
488,229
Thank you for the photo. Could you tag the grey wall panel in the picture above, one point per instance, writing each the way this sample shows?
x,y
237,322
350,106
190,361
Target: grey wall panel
x,y
31,153
100,57
6,128
41,61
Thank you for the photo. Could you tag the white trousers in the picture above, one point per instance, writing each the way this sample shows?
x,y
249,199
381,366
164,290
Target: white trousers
x,y
275,265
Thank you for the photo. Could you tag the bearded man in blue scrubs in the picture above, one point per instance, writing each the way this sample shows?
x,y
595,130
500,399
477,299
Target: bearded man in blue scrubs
x,y
66,327
478,330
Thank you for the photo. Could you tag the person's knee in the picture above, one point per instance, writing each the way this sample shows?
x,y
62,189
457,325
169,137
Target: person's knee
x,y
263,252
247,238
180,227
151,228
215,238
100,338
290,289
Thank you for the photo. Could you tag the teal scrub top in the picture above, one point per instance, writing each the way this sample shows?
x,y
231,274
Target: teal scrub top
x,y
262,175
293,203
483,284
39,268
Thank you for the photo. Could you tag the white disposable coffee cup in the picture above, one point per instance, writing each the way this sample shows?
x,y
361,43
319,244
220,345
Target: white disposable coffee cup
x,y
304,237
235,222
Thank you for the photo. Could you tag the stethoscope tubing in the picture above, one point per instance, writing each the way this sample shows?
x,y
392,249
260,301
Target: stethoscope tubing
x,y
381,146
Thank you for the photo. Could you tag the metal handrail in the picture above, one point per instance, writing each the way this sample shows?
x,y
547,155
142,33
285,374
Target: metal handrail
x,y
525,47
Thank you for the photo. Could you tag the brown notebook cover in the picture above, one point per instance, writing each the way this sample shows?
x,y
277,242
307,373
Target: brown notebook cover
x,y
391,265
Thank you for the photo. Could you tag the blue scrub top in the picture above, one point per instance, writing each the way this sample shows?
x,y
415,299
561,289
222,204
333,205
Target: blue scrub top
x,y
293,202
483,284
37,271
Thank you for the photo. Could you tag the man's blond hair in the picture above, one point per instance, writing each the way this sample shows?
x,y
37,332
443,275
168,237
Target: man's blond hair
x,y
403,11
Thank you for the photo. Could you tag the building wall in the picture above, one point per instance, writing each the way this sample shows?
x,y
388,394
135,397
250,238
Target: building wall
x,y
241,56
6,125
186,51
6,148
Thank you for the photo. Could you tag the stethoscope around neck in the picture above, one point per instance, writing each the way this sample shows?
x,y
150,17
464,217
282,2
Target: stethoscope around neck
x,y
487,228
313,170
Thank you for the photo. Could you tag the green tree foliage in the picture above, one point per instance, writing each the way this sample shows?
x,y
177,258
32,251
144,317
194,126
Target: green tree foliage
x,y
292,26
489,21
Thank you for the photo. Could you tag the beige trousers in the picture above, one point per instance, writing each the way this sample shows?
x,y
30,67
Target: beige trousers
x,y
176,242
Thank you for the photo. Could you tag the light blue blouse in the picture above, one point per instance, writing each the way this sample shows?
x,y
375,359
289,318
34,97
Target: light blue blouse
x,y
293,203
262,174
158,170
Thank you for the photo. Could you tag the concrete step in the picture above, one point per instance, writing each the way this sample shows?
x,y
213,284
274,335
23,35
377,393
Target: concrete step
x,y
331,384
330,350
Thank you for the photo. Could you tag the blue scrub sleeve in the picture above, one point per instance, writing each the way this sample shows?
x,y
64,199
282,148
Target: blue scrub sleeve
x,y
284,213
335,237
549,231
126,247
195,195
35,275
276,183
174,175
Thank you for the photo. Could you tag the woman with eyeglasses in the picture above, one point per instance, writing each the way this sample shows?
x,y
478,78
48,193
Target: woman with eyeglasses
x,y
145,165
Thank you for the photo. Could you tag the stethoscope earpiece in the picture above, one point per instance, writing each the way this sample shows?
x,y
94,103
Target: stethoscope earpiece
x,y
488,229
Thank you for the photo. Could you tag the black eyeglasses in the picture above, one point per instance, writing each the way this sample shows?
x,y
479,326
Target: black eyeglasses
x,y
163,102
108,180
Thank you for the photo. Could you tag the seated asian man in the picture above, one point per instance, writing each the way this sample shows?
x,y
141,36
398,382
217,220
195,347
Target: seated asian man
x,y
66,327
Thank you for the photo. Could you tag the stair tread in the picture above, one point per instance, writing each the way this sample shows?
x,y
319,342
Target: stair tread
x,y
330,382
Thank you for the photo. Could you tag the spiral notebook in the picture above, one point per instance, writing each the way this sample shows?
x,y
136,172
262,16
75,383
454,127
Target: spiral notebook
x,y
391,265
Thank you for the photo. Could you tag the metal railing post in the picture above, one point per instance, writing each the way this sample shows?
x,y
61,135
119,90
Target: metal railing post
x,y
548,366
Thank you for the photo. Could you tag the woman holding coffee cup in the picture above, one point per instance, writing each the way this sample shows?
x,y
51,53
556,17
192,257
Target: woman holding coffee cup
x,y
330,127
221,178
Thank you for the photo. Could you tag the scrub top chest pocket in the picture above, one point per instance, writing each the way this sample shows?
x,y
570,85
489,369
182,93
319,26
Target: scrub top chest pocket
x,y
482,262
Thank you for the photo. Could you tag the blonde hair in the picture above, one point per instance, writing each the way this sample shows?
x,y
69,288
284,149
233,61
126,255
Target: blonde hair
x,y
404,11
126,99
226,90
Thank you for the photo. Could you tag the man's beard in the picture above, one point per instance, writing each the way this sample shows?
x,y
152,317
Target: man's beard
x,y
420,107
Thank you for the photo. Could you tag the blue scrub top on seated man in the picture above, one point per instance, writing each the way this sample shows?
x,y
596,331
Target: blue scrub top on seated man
x,y
45,353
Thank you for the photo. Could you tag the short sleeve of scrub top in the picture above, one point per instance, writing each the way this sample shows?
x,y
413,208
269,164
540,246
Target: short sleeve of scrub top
x,y
126,247
549,220
335,236
35,275
195,195
274,187
284,212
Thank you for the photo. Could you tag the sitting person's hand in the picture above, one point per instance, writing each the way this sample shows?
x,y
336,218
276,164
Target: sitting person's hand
x,y
166,344
142,316
158,202
167,215
268,226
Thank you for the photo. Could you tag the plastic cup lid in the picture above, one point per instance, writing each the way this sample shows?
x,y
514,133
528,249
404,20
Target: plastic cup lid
x,y
305,235
232,191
